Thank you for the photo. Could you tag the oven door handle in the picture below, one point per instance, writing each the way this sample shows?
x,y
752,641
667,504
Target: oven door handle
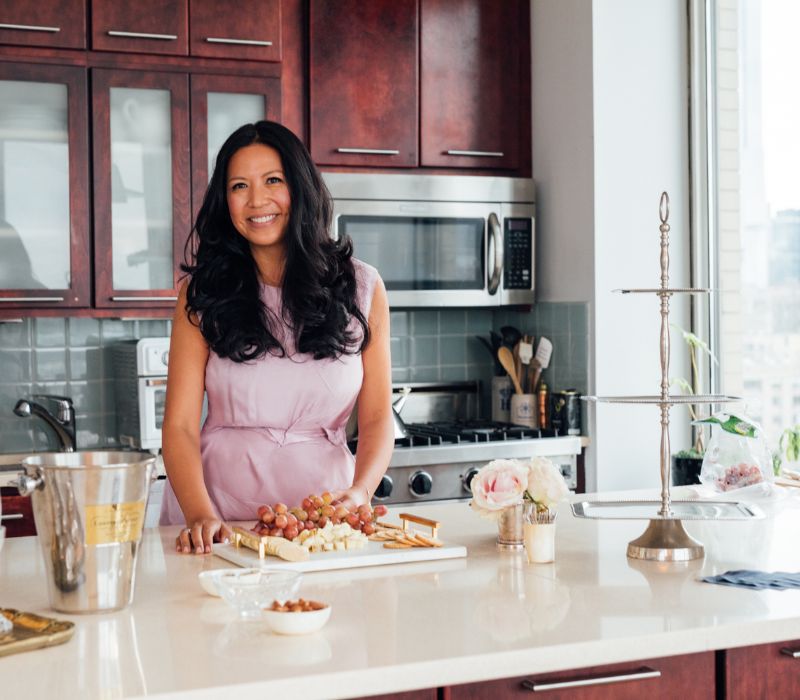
x,y
495,252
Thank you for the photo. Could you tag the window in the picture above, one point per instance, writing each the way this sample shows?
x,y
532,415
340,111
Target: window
x,y
754,55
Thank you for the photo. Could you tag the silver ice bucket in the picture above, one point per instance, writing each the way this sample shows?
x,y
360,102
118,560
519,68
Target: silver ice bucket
x,y
89,510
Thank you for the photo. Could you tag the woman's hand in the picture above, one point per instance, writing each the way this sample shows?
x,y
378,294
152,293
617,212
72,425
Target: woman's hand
x,y
198,535
353,497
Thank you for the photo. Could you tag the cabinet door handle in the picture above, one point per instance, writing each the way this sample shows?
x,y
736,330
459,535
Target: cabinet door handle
x,y
30,28
638,674
10,299
479,154
370,151
142,35
11,320
144,298
239,42
12,516
794,653
155,382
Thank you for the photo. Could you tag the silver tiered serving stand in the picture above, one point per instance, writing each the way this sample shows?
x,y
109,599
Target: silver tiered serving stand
x,y
665,538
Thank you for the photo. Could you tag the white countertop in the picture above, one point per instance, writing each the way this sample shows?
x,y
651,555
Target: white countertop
x,y
409,626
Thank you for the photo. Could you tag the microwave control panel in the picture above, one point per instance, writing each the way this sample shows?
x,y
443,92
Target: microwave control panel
x,y
518,253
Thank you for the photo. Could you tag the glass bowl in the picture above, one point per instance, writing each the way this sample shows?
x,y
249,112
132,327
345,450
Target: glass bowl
x,y
306,622
249,591
208,579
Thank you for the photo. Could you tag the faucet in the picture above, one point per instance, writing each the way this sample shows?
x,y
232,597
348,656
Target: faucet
x,y
61,420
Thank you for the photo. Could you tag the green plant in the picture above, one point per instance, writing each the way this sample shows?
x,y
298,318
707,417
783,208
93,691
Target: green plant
x,y
789,444
693,387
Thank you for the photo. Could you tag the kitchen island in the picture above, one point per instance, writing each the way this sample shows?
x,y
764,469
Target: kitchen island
x,y
415,626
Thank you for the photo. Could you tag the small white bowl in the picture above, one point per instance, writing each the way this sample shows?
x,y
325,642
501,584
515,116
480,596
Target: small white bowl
x,y
208,579
297,622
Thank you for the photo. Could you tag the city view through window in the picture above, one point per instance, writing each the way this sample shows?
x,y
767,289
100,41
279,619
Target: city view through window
x,y
769,213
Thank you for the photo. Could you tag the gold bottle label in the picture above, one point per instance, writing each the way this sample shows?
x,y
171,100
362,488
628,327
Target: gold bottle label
x,y
114,522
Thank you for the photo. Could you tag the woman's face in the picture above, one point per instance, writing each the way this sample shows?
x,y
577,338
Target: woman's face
x,y
258,196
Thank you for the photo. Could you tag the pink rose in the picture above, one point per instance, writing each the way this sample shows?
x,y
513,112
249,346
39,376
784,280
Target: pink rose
x,y
498,485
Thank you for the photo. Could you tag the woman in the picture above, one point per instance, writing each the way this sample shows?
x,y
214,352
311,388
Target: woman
x,y
285,331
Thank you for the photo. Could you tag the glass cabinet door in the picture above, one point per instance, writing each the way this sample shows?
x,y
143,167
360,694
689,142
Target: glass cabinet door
x,y
141,169
220,105
43,187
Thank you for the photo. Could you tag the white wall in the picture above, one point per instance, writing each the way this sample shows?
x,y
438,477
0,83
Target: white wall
x,y
600,169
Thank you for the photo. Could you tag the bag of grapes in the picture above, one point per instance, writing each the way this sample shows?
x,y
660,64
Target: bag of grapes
x,y
737,455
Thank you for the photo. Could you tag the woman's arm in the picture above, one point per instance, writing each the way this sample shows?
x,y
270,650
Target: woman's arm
x,y
188,354
375,429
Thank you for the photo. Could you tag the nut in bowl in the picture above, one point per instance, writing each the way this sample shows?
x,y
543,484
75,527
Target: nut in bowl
x,y
249,591
297,616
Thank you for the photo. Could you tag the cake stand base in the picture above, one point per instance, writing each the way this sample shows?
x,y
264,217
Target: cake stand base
x,y
665,540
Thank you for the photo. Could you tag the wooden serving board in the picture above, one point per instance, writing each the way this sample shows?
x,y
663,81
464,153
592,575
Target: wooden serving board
x,y
374,554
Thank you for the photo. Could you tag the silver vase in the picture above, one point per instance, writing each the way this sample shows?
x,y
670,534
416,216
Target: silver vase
x,y
510,530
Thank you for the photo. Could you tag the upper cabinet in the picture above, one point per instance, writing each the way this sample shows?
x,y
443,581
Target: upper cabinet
x,y
146,26
471,89
363,82
431,83
242,29
44,187
49,23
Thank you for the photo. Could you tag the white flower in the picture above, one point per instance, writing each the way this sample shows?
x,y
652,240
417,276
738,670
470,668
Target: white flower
x,y
546,487
498,485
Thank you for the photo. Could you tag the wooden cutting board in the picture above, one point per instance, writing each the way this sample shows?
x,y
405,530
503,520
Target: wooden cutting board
x,y
374,554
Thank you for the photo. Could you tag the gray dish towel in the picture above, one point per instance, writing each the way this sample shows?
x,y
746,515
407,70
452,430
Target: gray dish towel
x,y
776,580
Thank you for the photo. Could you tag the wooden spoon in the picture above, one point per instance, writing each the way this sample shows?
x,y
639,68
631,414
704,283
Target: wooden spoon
x,y
507,360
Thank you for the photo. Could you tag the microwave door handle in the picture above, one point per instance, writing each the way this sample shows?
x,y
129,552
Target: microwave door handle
x,y
495,252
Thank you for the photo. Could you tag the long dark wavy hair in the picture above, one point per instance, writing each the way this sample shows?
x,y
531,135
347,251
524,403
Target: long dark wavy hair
x,y
319,282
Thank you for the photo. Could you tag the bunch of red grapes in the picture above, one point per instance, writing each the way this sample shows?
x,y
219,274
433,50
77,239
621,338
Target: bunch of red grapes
x,y
315,511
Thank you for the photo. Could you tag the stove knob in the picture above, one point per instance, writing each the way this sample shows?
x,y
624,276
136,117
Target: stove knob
x,y
384,489
420,483
468,477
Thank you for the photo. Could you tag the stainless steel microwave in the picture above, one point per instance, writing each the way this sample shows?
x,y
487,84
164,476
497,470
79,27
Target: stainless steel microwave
x,y
441,240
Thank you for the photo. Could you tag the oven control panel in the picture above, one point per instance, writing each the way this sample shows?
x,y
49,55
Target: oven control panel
x,y
518,253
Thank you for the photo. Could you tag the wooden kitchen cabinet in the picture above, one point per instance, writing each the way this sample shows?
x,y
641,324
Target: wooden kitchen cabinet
x,y
17,513
49,23
363,82
44,187
219,105
428,694
688,677
240,29
762,671
146,26
141,186
473,100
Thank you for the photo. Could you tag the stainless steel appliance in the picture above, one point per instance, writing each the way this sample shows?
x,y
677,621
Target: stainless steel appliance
x,y
140,374
441,240
447,444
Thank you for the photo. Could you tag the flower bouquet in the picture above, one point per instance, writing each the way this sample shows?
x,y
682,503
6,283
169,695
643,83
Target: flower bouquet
x,y
518,494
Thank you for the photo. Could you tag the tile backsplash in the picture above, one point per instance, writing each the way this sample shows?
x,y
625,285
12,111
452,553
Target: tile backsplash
x,y
72,357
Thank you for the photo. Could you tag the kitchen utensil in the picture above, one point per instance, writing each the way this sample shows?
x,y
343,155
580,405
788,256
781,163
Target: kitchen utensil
x,y
511,336
507,360
540,361
399,427
525,356
30,631
517,362
492,348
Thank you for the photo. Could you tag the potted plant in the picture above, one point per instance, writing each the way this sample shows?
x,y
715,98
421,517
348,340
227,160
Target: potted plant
x,y
788,456
686,464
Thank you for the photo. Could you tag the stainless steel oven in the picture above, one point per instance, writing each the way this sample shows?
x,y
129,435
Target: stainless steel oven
x,y
441,240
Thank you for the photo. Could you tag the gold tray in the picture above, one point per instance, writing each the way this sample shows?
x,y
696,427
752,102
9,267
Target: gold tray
x,y
33,632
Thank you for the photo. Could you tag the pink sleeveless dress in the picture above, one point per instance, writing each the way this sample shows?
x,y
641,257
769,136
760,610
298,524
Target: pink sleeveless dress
x,y
275,430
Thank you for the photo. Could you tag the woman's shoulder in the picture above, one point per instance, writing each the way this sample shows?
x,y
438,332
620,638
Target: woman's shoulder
x,y
366,277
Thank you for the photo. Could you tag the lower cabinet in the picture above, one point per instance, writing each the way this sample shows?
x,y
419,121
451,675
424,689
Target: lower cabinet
x,y
762,671
428,694
17,513
688,677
